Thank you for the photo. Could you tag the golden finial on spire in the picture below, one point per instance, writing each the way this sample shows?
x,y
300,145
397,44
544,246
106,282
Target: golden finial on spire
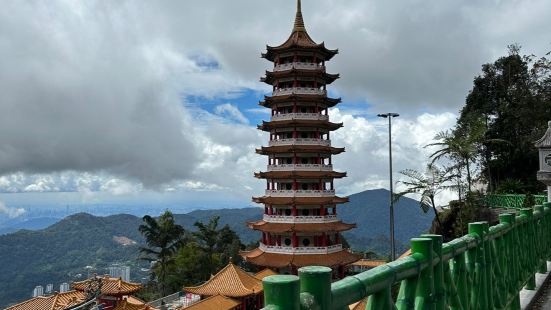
x,y
299,21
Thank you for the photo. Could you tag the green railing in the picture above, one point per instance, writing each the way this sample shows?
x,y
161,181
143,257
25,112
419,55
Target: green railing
x,y
485,269
510,201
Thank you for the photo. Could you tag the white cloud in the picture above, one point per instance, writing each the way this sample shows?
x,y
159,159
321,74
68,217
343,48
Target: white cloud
x,y
230,111
11,212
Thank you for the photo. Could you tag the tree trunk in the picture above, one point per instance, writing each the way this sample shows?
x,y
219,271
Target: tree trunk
x,y
436,213
468,175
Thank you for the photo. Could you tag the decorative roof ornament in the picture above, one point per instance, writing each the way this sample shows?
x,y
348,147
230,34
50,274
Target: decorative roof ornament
x,y
545,141
299,20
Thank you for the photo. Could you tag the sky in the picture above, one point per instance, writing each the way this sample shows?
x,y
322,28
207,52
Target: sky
x,y
148,101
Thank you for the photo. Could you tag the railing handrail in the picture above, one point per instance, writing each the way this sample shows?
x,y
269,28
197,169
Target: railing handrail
x,y
484,269
510,201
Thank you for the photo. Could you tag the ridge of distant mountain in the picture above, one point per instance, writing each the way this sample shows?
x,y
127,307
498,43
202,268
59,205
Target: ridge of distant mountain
x,y
29,224
60,252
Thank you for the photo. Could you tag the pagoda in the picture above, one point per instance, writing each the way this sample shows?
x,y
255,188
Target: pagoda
x,y
300,225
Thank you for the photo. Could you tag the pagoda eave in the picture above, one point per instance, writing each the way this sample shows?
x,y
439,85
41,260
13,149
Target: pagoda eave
x,y
319,49
303,201
300,227
297,174
284,149
273,260
320,100
321,124
320,74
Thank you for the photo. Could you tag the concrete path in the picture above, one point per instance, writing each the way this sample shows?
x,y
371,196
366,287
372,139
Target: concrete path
x,y
528,299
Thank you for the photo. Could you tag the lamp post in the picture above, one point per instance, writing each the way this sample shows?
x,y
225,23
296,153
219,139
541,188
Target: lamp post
x,y
390,116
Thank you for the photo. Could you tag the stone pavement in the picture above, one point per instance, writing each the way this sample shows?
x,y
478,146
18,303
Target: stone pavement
x,y
541,297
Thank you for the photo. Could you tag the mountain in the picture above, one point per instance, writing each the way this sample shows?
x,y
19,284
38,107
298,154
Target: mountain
x,y
29,224
61,252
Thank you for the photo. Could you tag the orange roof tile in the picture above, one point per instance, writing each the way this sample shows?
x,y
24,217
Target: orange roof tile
x,y
300,227
59,301
133,303
406,254
306,201
265,273
359,305
110,286
261,258
368,263
231,281
216,302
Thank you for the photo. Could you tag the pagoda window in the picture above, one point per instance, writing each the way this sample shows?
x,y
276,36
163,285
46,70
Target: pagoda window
x,y
306,242
287,212
288,186
289,161
287,242
305,212
304,161
304,186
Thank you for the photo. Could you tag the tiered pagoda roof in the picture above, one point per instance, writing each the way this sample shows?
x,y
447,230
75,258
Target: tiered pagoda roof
x,y
321,100
297,174
293,148
303,201
231,281
58,301
276,260
336,226
110,286
265,273
300,40
321,124
318,75
216,302
133,303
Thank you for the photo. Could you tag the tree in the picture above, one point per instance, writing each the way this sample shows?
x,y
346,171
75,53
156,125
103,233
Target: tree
x,y
163,238
512,97
428,185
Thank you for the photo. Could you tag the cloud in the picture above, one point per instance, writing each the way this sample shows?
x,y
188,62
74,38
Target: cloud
x,y
231,112
11,212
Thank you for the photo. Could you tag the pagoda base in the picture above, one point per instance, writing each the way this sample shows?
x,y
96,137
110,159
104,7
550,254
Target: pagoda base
x,y
275,260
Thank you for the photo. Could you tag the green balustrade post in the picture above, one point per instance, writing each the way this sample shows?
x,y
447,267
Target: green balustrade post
x,y
281,292
439,289
547,229
540,239
480,291
315,287
529,245
459,278
381,300
488,266
508,255
406,295
425,287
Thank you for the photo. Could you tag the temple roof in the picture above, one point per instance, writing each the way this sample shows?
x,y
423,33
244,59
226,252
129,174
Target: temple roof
x,y
322,100
110,286
216,302
545,141
369,263
133,303
321,124
59,301
300,227
265,273
261,258
300,39
359,305
267,150
231,281
304,201
299,174
320,74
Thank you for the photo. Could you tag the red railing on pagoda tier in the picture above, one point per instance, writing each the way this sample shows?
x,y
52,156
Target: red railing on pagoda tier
x,y
298,65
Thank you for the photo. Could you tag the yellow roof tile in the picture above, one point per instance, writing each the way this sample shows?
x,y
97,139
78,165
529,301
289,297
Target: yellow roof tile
x,y
265,273
216,302
59,301
231,281
110,286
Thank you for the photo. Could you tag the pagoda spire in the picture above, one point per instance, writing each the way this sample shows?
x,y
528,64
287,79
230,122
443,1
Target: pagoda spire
x,y
299,21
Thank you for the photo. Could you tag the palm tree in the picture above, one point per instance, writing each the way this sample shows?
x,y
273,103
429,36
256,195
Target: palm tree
x,y
163,238
428,185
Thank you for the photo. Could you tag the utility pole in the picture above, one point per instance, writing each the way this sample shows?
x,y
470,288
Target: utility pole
x,y
390,116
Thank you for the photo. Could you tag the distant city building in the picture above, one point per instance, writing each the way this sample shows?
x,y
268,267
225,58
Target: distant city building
x,y
64,287
122,272
38,291
49,288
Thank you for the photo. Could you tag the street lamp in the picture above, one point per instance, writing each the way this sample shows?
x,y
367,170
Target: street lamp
x,y
390,116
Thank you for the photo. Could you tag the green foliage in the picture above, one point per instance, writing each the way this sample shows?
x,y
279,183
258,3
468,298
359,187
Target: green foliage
x,y
511,186
512,97
163,238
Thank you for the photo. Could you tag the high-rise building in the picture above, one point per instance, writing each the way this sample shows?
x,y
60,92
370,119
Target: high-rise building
x,y
300,225
122,272
64,287
38,291
49,288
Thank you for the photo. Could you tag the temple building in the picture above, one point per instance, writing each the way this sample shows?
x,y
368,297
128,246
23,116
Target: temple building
x,y
231,288
300,226
111,293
